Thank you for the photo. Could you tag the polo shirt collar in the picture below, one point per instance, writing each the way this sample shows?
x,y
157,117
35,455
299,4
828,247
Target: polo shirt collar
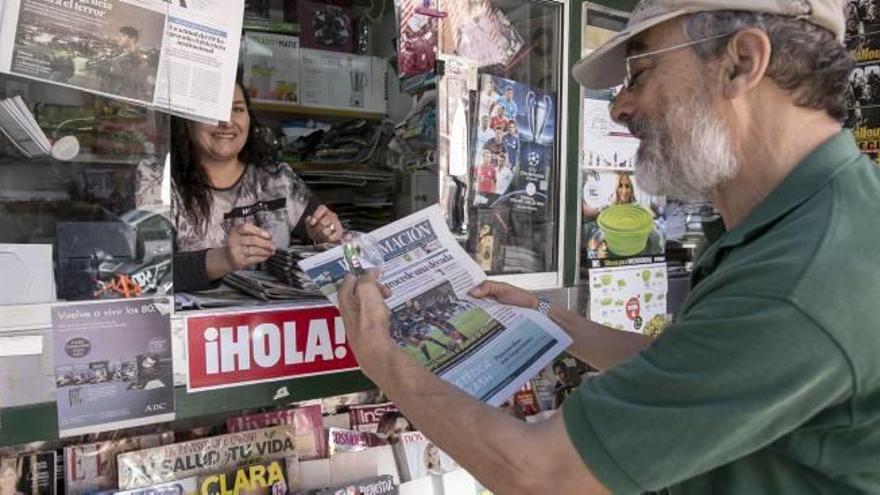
x,y
819,167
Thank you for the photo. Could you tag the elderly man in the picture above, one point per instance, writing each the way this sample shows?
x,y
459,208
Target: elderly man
x,y
769,380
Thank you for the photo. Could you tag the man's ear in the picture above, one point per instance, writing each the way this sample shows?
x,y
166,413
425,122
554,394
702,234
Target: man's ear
x,y
745,61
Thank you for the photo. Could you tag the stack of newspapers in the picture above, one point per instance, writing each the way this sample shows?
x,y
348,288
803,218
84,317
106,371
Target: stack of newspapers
x,y
283,279
18,125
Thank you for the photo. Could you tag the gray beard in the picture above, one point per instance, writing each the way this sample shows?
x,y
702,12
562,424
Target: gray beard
x,y
688,155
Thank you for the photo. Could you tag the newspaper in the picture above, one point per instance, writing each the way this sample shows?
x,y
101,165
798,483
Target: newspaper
x,y
180,59
487,349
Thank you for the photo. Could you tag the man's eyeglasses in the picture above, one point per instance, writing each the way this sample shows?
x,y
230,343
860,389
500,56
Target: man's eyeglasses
x,y
633,76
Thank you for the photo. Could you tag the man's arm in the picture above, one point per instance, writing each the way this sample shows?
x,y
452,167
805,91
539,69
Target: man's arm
x,y
599,346
505,454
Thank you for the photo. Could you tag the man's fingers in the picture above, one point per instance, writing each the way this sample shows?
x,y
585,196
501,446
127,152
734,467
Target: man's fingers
x,y
482,290
386,292
345,293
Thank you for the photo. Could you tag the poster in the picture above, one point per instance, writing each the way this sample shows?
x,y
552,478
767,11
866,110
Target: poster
x,y
112,365
862,17
631,298
514,148
244,347
618,219
606,144
863,98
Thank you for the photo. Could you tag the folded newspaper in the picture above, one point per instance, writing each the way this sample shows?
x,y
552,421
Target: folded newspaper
x,y
487,349
179,57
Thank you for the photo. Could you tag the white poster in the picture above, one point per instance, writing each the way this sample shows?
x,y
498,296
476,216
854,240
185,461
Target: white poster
x,y
631,298
607,145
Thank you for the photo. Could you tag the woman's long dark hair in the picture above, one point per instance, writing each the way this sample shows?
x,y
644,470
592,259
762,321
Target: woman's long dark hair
x,y
188,176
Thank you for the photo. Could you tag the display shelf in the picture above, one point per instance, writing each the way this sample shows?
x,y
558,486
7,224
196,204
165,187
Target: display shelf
x,y
294,109
38,422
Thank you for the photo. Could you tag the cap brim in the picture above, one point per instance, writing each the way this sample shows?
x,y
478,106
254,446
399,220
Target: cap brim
x,y
606,66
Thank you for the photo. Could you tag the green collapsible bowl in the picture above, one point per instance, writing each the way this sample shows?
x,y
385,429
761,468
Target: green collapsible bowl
x,y
626,228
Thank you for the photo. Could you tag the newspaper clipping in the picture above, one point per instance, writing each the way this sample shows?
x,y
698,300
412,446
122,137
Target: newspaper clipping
x,y
484,348
151,52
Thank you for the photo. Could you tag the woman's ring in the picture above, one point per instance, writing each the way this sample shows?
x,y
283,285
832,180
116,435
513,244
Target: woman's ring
x,y
332,228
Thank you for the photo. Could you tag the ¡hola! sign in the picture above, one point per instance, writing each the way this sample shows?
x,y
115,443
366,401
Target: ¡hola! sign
x,y
232,349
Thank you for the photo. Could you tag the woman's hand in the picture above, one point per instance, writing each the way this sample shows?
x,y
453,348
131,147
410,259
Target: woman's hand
x,y
323,225
505,294
248,245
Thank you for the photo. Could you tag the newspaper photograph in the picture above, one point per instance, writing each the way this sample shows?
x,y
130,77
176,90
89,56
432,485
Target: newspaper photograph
x,y
150,52
487,349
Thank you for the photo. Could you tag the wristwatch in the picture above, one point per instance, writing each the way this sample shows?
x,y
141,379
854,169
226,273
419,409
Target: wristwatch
x,y
543,306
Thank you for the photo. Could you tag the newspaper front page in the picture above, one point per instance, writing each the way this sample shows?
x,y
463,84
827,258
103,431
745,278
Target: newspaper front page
x,y
175,56
487,349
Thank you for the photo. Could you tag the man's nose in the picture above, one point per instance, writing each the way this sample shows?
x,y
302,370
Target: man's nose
x,y
622,107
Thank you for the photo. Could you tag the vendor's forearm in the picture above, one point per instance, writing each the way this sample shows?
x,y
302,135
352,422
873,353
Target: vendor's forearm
x,y
489,444
595,344
217,264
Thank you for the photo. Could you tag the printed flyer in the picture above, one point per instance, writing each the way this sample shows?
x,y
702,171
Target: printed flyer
x,y
619,220
112,365
631,298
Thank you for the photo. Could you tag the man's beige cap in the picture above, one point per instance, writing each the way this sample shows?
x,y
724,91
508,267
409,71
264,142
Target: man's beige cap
x,y
606,67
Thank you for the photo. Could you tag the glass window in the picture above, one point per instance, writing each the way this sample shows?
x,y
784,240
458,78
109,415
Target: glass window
x,y
86,209
505,205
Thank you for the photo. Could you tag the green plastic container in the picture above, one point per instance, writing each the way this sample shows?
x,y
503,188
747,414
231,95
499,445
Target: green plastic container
x,y
626,228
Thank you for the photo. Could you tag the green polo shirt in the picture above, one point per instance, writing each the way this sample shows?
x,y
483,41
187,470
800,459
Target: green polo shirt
x,y
769,380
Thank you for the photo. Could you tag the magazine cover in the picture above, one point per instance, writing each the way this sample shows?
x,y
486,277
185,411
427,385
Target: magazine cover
x,y
28,474
631,298
619,220
417,37
271,65
91,468
186,486
204,456
606,144
479,31
514,152
372,417
112,364
307,422
264,478
380,485
418,457
340,440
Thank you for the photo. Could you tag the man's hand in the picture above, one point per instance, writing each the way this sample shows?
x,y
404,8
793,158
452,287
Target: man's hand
x,y
323,225
366,317
505,294
247,245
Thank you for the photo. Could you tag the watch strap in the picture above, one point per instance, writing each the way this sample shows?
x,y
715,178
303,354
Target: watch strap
x,y
543,306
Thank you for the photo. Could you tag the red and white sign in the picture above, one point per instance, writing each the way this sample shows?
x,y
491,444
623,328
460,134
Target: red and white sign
x,y
232,349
